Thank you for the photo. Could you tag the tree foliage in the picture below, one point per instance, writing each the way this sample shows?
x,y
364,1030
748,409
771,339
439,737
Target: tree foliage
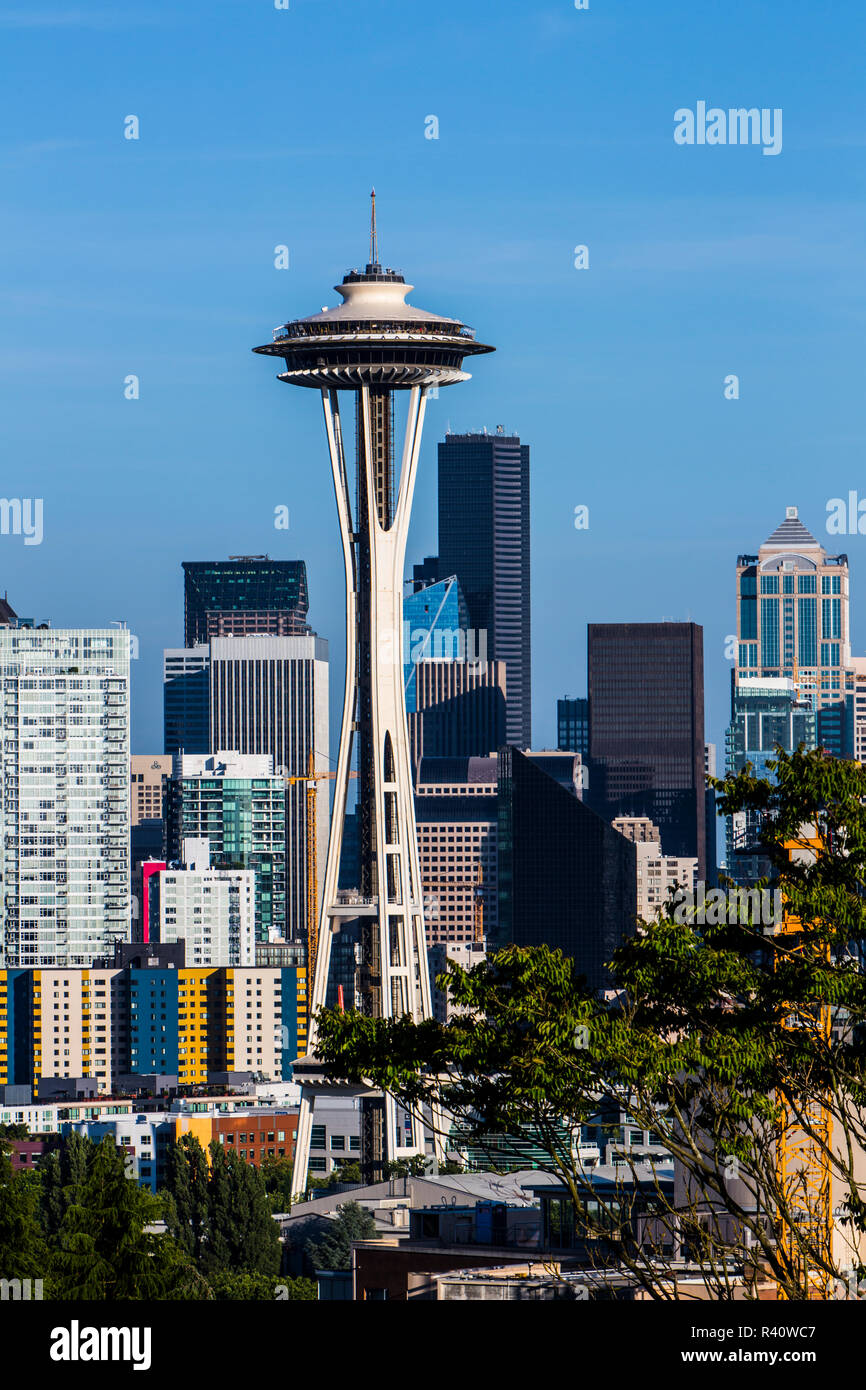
x,y
334,1249
723,1039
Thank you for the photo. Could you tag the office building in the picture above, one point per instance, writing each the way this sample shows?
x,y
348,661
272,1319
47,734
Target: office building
x,y
269,695
658,875
237,804
64,810
792,614
148,777
766,713
567,879
186,699
646,729
435,626
456,810
459,709
246,595
572,726
212,911
484,541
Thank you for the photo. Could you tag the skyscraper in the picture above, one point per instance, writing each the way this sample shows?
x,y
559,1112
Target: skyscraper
x,y
646,729
567,879
572,726
484,541
64,810
375,346
243,596
186,699
766,713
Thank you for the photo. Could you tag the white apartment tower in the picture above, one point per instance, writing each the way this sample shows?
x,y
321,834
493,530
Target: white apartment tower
x,y
65,812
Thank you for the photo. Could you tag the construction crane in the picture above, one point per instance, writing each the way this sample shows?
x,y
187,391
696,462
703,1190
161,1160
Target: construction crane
x,y
803,1143
477,888
311,777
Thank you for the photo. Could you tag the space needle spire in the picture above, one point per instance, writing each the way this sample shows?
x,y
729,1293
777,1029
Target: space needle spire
x,y
375,346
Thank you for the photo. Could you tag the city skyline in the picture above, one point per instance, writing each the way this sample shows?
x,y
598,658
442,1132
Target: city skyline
x,y
684,286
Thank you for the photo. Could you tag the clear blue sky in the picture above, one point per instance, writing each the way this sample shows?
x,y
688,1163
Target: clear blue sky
x,y
261,126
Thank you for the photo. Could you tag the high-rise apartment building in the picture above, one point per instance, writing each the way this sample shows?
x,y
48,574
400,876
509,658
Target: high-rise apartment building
x,y
260,695
243,596
646,729
212,911
484,541
64,811
238,804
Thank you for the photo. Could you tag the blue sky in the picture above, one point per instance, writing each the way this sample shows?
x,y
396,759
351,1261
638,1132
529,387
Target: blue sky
x,y
260,127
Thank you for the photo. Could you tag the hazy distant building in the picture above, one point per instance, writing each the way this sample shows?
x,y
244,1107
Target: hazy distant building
x,y
245,595
646,729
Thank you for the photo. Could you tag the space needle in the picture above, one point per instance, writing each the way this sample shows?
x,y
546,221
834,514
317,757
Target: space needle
x,y
373,345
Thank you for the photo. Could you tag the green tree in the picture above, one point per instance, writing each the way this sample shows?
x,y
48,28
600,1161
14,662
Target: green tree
x,y
23,1252
186,1195
718,1037
220,1213
104,1249
334,1250
63,1171
260,1288
277,1177
349,1171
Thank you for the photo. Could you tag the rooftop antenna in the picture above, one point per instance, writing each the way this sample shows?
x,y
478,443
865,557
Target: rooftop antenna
x,y
374,236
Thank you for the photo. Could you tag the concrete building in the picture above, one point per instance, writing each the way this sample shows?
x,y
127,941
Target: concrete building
x,y
456,811
148,777
196,1023
64,809
658,875
212,911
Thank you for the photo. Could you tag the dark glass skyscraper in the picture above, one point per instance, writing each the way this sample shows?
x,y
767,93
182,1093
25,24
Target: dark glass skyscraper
x,y
572,726
646,729
484,541
244,596
566,878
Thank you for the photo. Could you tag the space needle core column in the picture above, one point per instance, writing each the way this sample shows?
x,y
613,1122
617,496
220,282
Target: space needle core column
x,y
373,344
